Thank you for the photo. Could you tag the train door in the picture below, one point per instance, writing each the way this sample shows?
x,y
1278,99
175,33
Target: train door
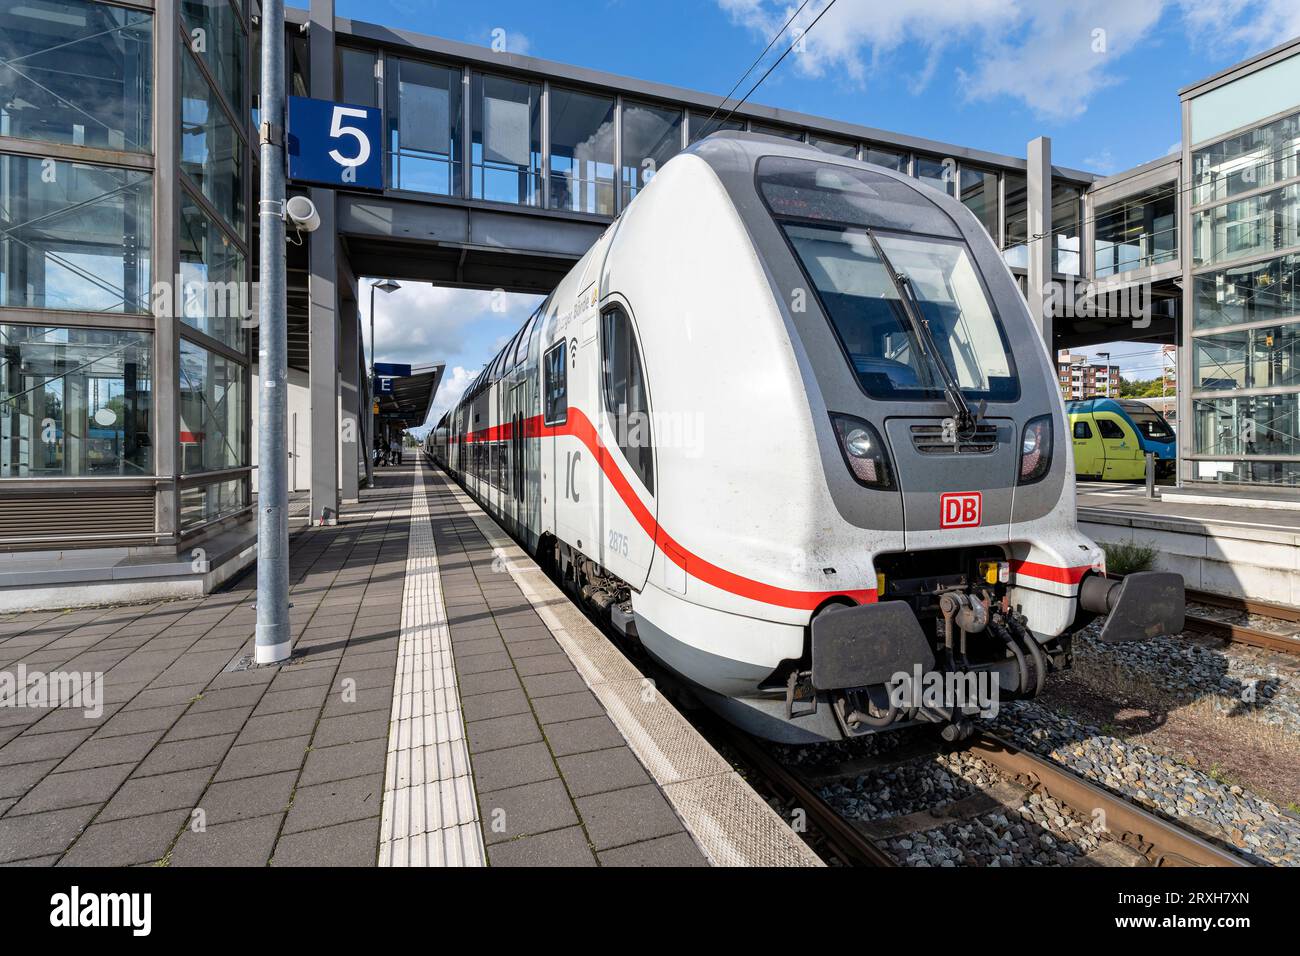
x,y
628,505
1088,455
579,484
514,450
1121,447
555,412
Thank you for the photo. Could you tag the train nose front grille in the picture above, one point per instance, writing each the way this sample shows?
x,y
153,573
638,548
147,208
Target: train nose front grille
x,y
937,439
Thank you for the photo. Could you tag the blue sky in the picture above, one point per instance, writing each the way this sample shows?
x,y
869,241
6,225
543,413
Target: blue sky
x,y
1100,77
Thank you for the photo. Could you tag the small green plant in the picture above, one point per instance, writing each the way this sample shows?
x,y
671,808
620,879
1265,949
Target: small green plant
x,y
1128,557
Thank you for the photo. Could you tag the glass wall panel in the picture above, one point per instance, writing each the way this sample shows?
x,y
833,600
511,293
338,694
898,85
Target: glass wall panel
x,y
209,502
1248,161
1258,292
885,157
506,149
215,298
979,193
213,417
1066,217
837,147
1137,231
652,135
212,154
1247,358
702,125
1015,221
582,152
217,38
356,77
1248,425
784,132
1247,227
74,402
75,236
424,129
939,173
105,100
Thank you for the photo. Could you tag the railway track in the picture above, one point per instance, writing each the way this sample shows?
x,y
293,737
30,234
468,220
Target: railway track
x,y
1241,633
1155,840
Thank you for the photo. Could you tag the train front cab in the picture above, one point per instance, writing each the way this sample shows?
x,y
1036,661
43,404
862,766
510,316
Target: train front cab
x,y
1112,438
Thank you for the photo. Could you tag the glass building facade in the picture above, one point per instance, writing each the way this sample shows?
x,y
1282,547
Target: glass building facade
x,y
1242,277
124,263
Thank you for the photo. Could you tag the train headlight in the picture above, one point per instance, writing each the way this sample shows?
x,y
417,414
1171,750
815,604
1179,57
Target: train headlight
x,y
1036,449
864,452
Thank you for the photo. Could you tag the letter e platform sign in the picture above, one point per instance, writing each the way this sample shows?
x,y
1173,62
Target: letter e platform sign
x,y
335,144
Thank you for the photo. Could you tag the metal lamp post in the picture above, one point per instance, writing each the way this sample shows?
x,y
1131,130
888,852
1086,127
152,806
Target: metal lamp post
x,y
273,641
384,285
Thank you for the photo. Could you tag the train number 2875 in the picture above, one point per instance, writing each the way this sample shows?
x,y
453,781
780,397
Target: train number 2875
x,y
618,543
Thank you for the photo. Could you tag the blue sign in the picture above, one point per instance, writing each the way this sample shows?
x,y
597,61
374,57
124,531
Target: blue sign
x,y
383,385
392,369
335,144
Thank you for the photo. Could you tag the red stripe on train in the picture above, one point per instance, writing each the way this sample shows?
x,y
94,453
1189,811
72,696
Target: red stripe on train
x,y
580,427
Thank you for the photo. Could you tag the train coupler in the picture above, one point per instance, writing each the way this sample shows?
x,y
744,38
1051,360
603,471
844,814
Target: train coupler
x,y
1138,607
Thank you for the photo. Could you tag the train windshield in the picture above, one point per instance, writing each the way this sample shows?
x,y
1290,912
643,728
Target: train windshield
x,y
862,293
1151,425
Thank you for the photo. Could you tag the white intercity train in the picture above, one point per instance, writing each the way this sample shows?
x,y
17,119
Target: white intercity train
x,y
790,426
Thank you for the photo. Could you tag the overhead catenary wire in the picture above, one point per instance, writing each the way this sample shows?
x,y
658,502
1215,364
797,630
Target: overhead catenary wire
x,y
776,36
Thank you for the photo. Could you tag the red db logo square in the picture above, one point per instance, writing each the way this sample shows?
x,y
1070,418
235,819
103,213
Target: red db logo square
x,y
962,509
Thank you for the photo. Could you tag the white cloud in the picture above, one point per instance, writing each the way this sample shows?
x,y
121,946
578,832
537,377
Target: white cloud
x,y
422,323
1053,57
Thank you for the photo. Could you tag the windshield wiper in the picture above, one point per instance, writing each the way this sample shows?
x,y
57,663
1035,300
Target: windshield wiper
x,y
961,409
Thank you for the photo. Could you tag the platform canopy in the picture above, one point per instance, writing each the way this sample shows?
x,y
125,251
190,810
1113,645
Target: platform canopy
x,y
408,405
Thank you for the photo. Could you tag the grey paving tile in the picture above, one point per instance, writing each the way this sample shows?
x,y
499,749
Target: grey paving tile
x,y
478,664
41,834
372,725
549,685
126,842
580,736
131,749
513,766
228,697
478,647
565,707
525,810
27,748
186,755
488,682
242,843
599,770
248,797
74,789
346,844
255,760
343,761
498,732
676,850
500,703
193,726
278,702
16,780
339,801
555,848
148,795
544,664
294,723
164,697
627,816
525,649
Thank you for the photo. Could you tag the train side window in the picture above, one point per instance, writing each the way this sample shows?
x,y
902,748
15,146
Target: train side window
x,y
625,394
1109,429
1082,430
555,388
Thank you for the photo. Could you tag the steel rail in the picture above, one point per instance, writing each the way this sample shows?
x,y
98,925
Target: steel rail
x,y
1162,843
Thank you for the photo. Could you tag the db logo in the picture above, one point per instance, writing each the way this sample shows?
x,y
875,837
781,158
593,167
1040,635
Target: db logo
x,y
961,509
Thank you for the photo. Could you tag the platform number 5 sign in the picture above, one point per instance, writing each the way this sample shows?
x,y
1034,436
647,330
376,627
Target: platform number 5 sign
x,y
335,144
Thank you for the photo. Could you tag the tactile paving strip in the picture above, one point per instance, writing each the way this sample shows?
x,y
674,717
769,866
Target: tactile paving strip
x,y
430,814
732,825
